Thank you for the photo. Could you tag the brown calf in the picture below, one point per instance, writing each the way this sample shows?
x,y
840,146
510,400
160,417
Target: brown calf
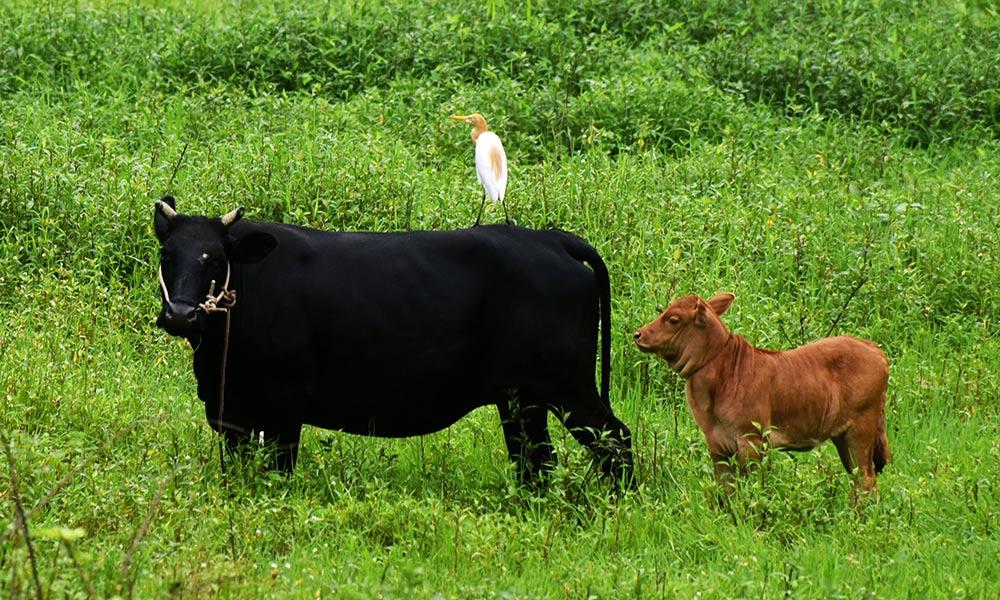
x,y
831,389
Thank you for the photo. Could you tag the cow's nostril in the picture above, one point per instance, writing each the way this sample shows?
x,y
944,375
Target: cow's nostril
x,y
180,313
638,334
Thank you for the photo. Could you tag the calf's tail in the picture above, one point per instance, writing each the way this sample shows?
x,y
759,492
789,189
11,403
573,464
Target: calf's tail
x,y
881,454
584,252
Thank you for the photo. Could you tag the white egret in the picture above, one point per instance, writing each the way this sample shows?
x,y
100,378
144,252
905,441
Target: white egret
x,y
491,162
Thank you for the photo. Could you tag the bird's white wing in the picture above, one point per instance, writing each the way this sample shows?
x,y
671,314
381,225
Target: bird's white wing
x,y
491,165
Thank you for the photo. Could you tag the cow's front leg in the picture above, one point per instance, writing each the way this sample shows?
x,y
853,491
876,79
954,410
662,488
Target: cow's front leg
x,y
233,447
284,444
235,438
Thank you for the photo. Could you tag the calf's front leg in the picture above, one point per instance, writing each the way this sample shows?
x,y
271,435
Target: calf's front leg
x,y
748,450
722,463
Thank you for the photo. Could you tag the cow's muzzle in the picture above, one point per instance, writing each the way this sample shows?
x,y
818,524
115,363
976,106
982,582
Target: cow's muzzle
x,y
180,318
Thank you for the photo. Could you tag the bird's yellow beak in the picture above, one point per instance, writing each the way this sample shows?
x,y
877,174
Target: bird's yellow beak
x,y
458,118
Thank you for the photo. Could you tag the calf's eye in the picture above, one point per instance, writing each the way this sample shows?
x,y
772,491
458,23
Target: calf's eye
x,y
674,319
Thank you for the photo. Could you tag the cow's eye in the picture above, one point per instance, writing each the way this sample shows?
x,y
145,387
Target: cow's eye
x,y
674,319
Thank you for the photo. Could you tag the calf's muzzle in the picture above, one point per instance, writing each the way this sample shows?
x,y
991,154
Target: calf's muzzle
x,y
641,343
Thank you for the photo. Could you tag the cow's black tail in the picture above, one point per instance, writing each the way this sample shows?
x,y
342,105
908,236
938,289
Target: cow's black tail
x,y
881,454
582,251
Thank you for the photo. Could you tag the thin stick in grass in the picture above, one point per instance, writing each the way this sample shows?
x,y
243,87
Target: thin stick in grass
x,y
177,166
68,477
79,568
21,520
154,506
861,282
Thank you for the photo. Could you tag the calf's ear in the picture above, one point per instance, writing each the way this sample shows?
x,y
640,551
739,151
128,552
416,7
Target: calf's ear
x,y
720,303
251,247
700,316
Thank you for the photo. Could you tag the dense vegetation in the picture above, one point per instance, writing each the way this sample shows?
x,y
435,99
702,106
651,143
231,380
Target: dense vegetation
x,y
834,164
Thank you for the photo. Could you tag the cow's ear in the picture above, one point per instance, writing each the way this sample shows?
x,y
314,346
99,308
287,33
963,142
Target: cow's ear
x,y
720,303
164,210
251,247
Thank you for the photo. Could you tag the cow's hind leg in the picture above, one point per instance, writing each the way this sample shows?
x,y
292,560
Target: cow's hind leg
x,y
596,427
526,431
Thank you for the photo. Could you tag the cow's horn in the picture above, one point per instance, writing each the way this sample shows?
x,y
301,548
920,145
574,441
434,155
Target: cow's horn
x,y
232,216
168,212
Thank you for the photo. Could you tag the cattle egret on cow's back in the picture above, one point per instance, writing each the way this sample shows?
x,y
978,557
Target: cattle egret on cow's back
x,y
491,162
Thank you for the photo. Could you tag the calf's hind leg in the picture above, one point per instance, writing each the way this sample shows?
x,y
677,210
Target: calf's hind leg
x,y
862,445
840,442
856,446
526,431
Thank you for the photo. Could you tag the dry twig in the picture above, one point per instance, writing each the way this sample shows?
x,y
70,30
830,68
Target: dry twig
x,y
154,507
20,520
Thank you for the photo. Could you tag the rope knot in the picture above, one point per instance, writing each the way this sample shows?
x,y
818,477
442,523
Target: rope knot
x,y
220,302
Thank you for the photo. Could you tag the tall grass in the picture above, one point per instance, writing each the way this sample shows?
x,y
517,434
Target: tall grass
x,y
833,165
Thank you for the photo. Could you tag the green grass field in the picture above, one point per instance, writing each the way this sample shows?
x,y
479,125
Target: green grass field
x,y
791,153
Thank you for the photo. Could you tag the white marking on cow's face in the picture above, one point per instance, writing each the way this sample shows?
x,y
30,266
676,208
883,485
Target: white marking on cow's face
x,y
203,257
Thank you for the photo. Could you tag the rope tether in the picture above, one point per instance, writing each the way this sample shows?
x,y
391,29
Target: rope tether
x,y
215,303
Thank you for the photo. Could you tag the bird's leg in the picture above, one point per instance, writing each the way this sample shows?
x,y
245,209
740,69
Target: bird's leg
x,y
481,206
505,215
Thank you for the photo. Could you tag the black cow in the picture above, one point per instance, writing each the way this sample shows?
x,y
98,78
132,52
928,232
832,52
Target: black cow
x,y
394,334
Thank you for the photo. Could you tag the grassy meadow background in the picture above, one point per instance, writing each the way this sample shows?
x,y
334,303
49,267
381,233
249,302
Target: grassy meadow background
x,y
835,164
